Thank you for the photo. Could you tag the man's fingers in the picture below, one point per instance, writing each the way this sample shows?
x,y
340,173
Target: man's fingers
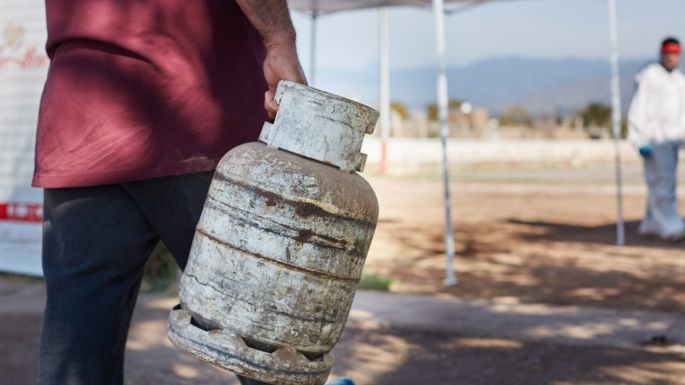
x,y
270,104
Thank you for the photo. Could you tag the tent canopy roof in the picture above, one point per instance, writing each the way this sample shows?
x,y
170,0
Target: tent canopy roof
x,y
330,6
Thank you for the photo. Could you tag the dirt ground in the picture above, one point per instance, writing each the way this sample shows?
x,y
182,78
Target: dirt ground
x,y
544,242
370,353
548,241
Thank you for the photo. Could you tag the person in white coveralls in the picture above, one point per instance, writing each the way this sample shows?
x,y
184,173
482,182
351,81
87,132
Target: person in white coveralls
x,y
656,123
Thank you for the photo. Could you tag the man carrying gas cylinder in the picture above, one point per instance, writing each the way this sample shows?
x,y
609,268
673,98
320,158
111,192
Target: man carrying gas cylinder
x,y
657,128
141,101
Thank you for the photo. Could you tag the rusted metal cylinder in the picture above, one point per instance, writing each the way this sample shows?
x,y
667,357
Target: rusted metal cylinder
x,y
281,244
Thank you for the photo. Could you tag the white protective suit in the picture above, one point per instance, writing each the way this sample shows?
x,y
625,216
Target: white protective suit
x,y
657,112
657,119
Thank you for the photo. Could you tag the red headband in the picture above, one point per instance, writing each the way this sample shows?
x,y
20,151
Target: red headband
x,y
671,48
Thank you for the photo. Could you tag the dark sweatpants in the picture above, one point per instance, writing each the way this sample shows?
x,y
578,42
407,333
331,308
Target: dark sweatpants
x,y
96,241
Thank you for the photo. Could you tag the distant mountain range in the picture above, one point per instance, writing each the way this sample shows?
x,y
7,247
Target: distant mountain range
x,y
548,87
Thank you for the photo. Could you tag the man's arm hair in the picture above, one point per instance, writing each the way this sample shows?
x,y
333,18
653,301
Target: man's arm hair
x,y
272,20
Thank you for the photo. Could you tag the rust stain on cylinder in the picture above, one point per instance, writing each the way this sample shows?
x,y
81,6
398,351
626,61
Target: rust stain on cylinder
x,y
304,236
302,209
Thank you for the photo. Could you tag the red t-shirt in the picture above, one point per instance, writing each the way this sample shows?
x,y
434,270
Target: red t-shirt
x,y
142,89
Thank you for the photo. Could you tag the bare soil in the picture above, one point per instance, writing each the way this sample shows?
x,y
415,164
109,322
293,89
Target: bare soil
x,y
532,243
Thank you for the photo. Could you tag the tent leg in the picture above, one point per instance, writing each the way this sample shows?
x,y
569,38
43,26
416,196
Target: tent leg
x,y
616,119
384,75
439,13
312,50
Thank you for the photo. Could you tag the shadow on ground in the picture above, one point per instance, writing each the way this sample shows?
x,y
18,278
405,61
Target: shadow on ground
x,y
600,234
371,354
447,359
538,262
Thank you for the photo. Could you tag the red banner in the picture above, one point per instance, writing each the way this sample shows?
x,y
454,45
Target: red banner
x,y
21,212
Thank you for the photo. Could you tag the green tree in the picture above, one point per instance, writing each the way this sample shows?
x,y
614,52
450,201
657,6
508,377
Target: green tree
x,y
516,116
401,109
432,108
596,115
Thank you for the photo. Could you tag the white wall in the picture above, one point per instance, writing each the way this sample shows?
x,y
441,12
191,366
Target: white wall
x,y
23,66
410,155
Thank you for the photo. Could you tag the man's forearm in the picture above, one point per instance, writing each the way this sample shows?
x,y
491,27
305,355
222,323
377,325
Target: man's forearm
x,y
272,20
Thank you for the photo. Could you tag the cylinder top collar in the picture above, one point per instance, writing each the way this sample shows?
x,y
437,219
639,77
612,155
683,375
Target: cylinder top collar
x,y
320,126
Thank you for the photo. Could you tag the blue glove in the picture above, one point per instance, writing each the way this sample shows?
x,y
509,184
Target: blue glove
x,y
646,151
341,381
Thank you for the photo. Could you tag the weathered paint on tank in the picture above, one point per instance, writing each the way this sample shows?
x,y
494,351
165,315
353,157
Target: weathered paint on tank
x,y
324,126
281,243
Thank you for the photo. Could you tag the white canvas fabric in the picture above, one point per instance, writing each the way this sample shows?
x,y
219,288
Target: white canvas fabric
x,y
330,6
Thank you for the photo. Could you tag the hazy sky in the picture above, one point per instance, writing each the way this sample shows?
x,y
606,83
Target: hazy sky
x,y
540,28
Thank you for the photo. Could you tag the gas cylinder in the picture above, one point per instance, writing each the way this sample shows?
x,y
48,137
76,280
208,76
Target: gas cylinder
x,y
281,243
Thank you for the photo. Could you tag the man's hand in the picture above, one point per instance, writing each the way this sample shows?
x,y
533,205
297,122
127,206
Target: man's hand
x,y
281,63
271,18
645,151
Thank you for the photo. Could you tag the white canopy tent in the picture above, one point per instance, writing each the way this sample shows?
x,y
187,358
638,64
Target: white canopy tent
x,y
317,8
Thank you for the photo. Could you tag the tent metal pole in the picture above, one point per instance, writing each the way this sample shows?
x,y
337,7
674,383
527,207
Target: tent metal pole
x,y
439,14
616,119
312,49
384,74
